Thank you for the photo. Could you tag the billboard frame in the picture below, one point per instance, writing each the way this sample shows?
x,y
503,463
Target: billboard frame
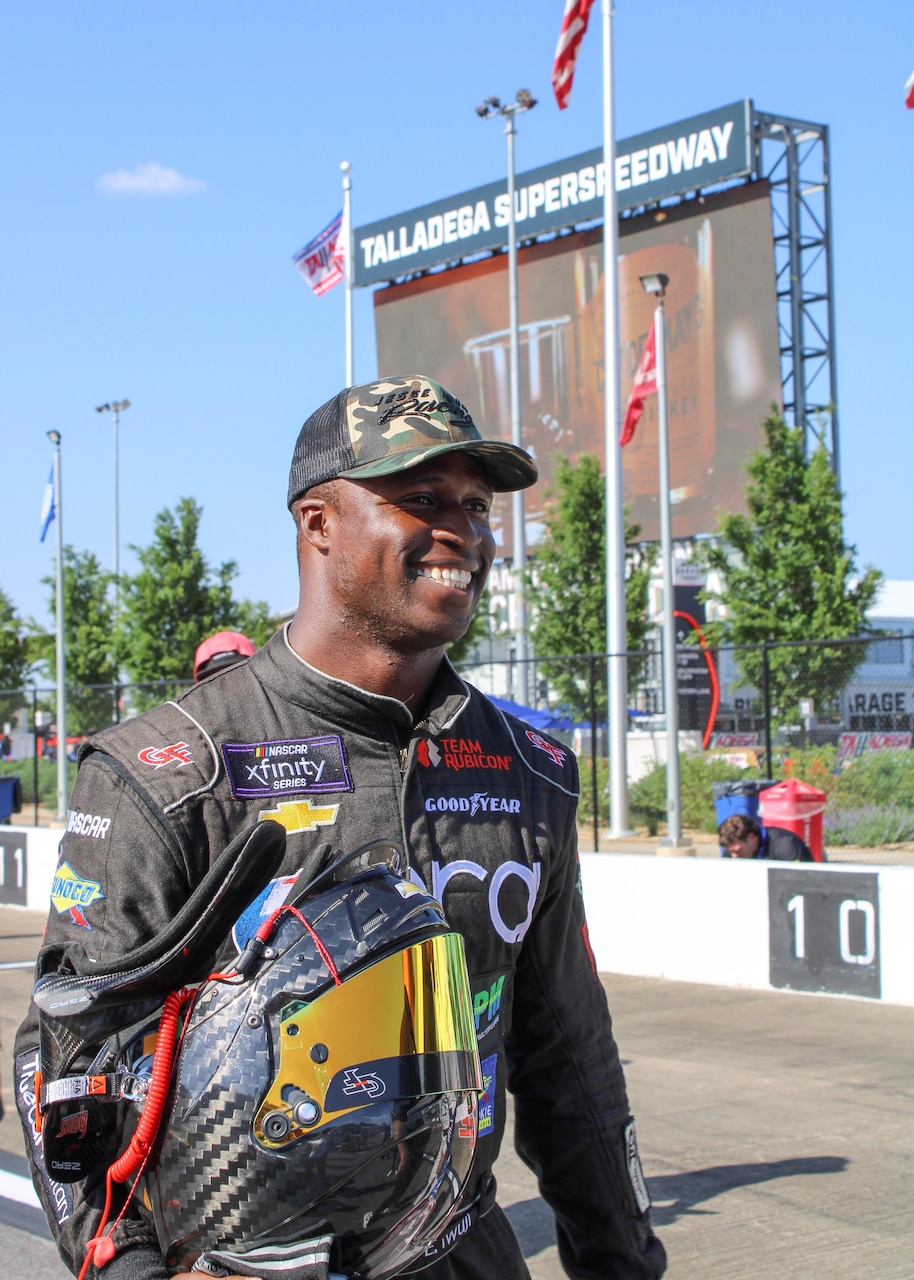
x,y
793,157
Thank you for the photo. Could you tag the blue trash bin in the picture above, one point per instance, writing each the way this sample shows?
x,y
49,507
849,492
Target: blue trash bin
x,y
738,797
10,796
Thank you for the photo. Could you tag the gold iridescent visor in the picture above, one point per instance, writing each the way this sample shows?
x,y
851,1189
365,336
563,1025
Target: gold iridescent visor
x,y
401,1029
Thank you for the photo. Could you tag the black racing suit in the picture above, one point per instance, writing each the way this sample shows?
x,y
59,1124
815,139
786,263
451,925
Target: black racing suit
x,y
484,807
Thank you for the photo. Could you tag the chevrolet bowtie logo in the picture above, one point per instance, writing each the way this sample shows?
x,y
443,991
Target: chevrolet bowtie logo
x,y
301,815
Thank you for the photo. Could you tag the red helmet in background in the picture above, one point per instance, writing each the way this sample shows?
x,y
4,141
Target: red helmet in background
x,y
223,649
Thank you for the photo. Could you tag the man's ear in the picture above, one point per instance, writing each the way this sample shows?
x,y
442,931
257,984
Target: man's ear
x,y
313,516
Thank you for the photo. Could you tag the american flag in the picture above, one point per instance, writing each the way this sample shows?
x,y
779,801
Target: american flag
x,y
321,260
574,24
909,91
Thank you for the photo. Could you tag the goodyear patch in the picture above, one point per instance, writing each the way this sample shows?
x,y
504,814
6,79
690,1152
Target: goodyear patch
x,y
292,766
487,1098
72,893
301,815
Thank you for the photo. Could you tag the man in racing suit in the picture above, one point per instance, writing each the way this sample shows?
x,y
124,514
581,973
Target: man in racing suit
x,y
348,726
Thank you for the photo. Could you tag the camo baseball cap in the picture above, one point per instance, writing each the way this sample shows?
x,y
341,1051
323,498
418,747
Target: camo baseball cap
x,y
386,426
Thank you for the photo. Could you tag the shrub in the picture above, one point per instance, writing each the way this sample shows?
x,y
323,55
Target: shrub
x,y
47,780
869,825
647,797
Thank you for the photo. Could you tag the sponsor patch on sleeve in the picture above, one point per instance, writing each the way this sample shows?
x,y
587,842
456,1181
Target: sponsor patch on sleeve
x,y
554,752
72,893
93,825
294,766
176,753
635,1172
487,1099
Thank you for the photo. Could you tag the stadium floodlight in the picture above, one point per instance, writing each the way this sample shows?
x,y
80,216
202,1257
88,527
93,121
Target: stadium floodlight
x,y
115,407
493,106
655,284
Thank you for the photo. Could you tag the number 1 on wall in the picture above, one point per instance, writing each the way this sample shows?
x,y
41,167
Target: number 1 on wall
x,y
797,908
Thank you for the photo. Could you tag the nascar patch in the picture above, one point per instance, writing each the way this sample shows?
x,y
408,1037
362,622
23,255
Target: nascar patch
x,y
292,766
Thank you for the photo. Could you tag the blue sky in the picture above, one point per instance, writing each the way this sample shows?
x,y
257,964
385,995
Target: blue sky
x,y
186,301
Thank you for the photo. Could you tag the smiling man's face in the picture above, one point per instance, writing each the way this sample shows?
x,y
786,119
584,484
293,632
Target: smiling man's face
x,y
409,553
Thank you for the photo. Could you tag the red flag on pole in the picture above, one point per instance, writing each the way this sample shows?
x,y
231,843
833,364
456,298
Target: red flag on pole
x,y
645,385
574,24
909,91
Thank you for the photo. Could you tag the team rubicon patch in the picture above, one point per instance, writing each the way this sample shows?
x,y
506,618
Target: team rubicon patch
x,y
73,894
555,753
301,815
294,766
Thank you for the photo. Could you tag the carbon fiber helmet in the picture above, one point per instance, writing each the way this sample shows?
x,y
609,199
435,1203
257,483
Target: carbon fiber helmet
x,y
332,1089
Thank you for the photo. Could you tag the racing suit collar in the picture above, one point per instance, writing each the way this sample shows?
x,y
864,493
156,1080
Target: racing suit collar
x,y
282,670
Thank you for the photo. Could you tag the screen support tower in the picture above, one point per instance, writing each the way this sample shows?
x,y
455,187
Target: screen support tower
x,y
792,155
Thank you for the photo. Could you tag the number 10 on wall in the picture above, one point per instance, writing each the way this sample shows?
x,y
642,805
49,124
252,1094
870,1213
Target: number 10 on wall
x,y
824,931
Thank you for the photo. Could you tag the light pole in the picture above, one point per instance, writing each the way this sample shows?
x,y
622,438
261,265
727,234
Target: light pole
x,y
116,407
494,107
656,285
61,654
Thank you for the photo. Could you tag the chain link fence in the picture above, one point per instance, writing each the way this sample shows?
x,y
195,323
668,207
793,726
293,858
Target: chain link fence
x,y
838,715
28,733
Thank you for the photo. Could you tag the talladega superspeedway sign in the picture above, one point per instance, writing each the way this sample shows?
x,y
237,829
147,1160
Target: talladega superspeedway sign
x,y
697,152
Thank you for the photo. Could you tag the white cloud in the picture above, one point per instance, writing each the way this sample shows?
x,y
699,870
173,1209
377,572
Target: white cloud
x,y
149,179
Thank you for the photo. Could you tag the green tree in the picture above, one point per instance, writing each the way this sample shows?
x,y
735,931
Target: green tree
x,y
568,585
89,639
14,652
14,658
790,576
176,600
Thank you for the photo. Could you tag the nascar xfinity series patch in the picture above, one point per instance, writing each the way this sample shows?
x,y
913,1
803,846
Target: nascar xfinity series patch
x,y
294,766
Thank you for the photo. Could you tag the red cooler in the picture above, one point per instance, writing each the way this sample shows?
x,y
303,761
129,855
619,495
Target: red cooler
x,y
797,807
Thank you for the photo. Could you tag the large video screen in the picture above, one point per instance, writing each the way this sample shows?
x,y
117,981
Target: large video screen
x,y
722,351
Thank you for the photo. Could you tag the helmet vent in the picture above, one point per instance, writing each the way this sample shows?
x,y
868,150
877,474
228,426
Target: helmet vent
x,y
374,921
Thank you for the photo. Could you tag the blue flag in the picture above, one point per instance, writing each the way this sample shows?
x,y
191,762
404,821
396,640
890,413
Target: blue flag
x,y
48,505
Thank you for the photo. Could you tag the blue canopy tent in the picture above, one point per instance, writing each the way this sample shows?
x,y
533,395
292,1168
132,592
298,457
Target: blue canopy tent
x,y
536,719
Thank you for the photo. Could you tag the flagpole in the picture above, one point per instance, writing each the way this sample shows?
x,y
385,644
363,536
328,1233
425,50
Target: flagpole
x,y
347,267
670,686
54,437
616,641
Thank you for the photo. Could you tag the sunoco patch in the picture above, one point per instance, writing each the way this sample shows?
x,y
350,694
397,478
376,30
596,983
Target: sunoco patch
x,y
294,766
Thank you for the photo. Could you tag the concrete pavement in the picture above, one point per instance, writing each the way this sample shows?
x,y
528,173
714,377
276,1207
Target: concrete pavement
x,y
776,1129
